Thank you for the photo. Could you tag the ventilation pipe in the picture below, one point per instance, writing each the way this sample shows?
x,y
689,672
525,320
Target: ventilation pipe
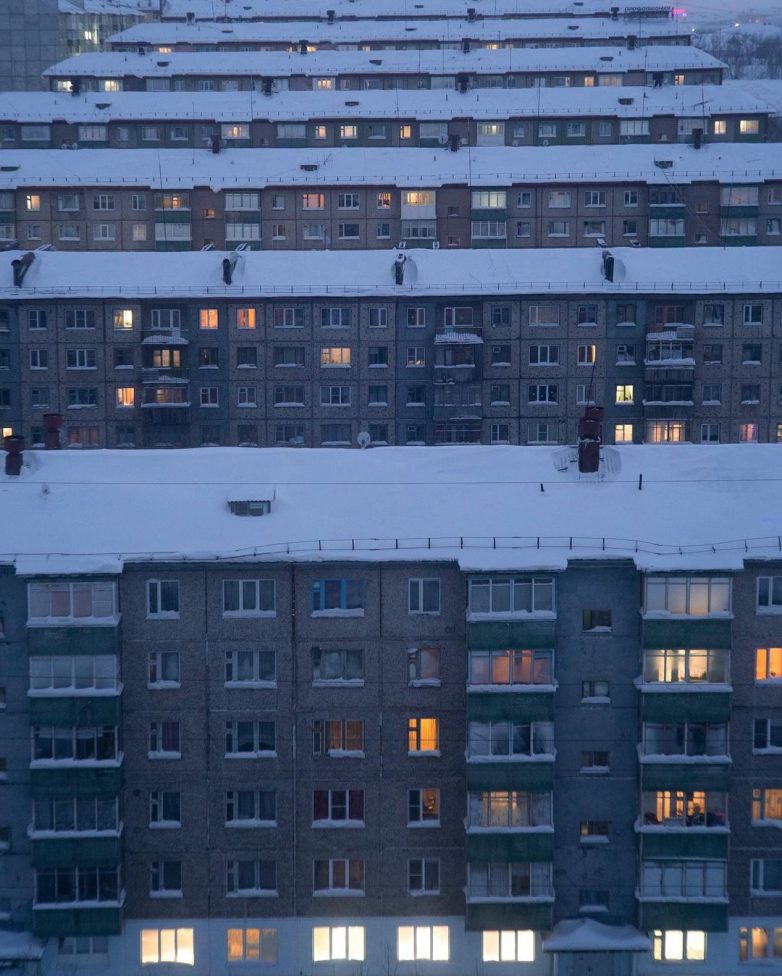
x,y
229,264
21,266
52,422
608,266
471,15
399,269
631,41
14,445
330,14
302,47
453,142
465,45
266,86
590,437
215,144
697,138
190,16
614,13
462,83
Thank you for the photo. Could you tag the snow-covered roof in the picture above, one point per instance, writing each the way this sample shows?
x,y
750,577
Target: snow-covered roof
x,y
513,271
484,166
701,507
367,9
692,101
117,8
19,946
588,935
278,64
356,31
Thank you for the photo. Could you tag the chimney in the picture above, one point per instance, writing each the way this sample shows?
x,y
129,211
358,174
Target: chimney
x,y
330,14
462,83
697,138
631,41
302,47
608,266
141,51
266,86
21,266
590,437
228,267
75,86
14,445
465,45
190,16
453,142
471,14
399,269
51,431
614,13
215,144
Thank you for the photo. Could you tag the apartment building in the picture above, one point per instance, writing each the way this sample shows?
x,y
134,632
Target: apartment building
x,y
731,112
306,199
469,348
590,67
525,747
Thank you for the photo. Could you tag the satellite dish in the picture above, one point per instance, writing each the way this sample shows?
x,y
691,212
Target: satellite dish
x,y
364,440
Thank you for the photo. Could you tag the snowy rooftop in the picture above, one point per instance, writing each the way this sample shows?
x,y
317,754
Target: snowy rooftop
x,y
278,64
282,9
701,507
484,166
355,31
692,101
19,947
124,8
744,270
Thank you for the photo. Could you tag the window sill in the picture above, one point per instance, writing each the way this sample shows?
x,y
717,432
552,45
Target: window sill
x,y
424,683
165,895
251,684
596,700
338,683
596,841
73,622
252,893
249,824
338,893
682,687
75,692
538,757
474,616
162,616
251,755
424,752
164,755
249,614
338,824
358,612
543,688
166,825
164,685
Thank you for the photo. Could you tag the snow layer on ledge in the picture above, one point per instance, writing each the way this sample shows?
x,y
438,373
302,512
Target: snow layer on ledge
x,y
587,935
19,946
483,507
501,272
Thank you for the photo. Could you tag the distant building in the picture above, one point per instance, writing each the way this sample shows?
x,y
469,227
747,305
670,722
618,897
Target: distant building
x,y
30,43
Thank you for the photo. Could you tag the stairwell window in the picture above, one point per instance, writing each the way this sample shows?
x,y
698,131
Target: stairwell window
x,y
248,598
423,736
769,594
164,740
338,808
165,879
423,596
251,879
423,876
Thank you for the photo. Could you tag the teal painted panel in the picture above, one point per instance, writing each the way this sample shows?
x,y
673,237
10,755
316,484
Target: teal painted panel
x,y
666,242
75,782
510,847
520,916
680,844
73,640
686,633
498,214
79,711
682,776
172,216
510,776
487,635
90,851
674,915
82,921
686,706
510,706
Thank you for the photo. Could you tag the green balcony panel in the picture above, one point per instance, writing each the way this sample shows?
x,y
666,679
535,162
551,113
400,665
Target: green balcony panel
x,y
510,776
537,916
73,640
684,844
510,707
489,214
290,143
685,776
90,781
175,216
78,710
679,241
736,241
686,706
670,211
533,846
489,242
745,211
678,915
88,851
686,633
172,246
58,923
491,634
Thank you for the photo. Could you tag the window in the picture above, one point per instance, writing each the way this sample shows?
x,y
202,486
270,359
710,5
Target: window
x,y
163,599
414,942
84,673
337,942
594,198
687,665
79,318
251,808
690,596
748,433
498,880
209,396
511,667
248,598
338,808
558,228
250,878
753,315
683,879
423,736
345,596
251,945
676,809
508,809
509,946
338,737
167,945
82,396
423,596
760,943
335,396
544,355
595,691
423,876
559,198
250,740
768,663
423,666
165,809
313,201
164,741
337,665
592,620
39,359
673,945
423,808
511,595
685,739
509,739
245,318
712,354
767,803
338,875
769,594
254,668
543,393
766,876
163,669
586,355
624,393
335,356
165,879
67,602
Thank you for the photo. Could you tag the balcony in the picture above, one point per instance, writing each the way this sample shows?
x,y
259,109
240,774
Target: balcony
x,y
165,335
160,374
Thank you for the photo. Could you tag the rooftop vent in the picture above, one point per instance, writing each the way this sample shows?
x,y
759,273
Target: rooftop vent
x,y
608,266
250,506
663,163
102,105
351,104
52,422
626,101
614,13
190,16
590,437
471,14
163,64
399,269
14,445
309,167
606,57
228,268
21,266
330,15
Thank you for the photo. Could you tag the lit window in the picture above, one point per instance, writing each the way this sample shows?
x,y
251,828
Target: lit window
x,y
126,396
335,356
511,667
760,943
167,945
405,132
720,127
123,318
508,809
32,202
509,946
623,433
423,808
245,318
767,803
423,736
251,945
338,942
423,942
749,127
624,393
686,665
